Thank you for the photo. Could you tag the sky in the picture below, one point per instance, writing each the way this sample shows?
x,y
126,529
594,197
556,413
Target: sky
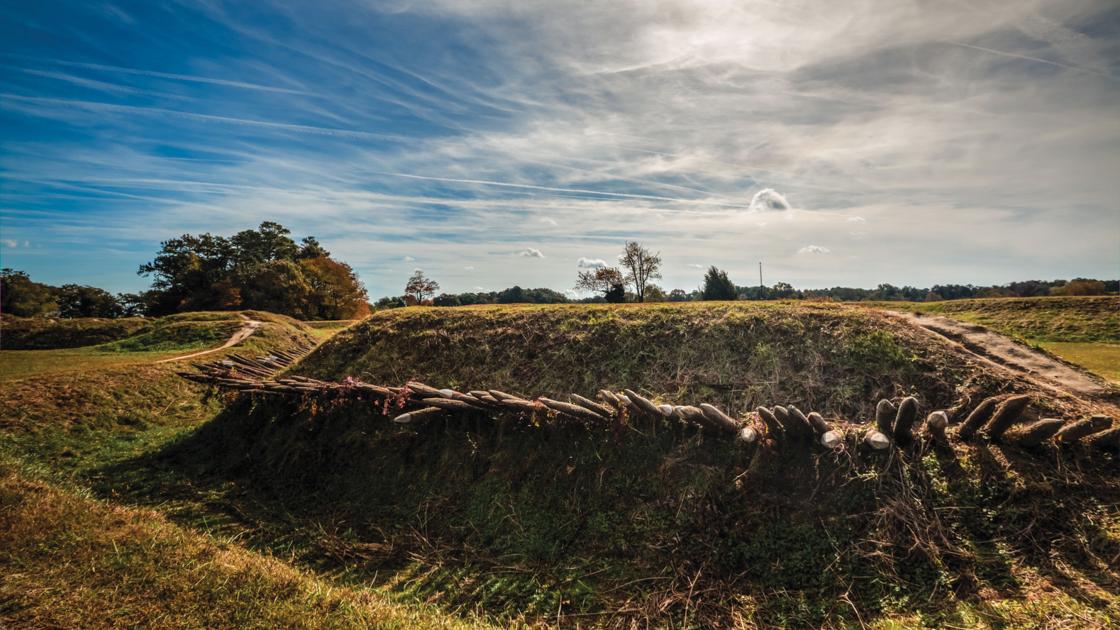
x,y
494,143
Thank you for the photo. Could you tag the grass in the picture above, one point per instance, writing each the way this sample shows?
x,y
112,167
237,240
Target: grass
x,y
123,503
1053,319
70,561
17,364
30,333
1101,358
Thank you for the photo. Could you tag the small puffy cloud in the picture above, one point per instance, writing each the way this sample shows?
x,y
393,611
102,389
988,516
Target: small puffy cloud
x,y
10,243
550,221
768,200
530,252
469,267
814,249
409,259
591,263
695,266
856,220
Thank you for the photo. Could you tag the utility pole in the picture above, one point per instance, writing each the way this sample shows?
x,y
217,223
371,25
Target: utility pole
x,y
761,288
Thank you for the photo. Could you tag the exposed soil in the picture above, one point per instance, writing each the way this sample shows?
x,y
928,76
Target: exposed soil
x,y
1036,365
246,331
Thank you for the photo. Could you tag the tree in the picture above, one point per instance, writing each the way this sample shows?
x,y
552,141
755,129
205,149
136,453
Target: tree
x,y
1080,286
336,292
654,293
641,266
420,287
717,286
678,295
84,301
271,241
21,296
607,280
311,248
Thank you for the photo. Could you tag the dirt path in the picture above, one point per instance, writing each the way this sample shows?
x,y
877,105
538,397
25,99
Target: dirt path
x,y
1002,350
246,331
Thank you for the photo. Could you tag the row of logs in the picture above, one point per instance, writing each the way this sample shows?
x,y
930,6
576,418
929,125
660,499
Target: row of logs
x,y
894,425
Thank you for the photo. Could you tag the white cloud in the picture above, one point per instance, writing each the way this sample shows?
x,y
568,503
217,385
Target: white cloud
x,y
591,263
409,259
695,266
767,200
469,268
814,249
856,219
550,221
10,243
530,252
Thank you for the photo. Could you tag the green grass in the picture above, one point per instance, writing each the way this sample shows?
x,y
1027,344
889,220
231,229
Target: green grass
x,y
30,333
17,364
1101,358
1062,319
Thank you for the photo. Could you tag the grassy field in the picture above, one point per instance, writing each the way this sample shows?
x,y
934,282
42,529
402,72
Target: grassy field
x,y
1082,330
127,497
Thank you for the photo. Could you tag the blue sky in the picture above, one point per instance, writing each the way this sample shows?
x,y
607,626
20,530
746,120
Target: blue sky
x,y
494,143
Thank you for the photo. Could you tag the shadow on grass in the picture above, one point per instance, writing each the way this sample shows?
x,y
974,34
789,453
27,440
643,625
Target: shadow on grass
x,y
644,524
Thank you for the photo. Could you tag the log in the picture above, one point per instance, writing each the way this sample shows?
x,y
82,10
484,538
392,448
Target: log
x,y
937,422
1037,432
666,409
877,439
688,413
978,418
1074,432
782,414
904,420
452,405
419,414
610,397
885,412
591,405
746,436
500,395
1006,414
568,409
642,403
817,421
719,419
1106,440
798,423
425,391
773,428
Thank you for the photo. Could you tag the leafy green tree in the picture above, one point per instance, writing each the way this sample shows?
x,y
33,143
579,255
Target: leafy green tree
x,y
606,280
84,301
21,296
717,286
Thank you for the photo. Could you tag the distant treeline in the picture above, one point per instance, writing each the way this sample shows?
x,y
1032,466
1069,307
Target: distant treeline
x,y
779,291
262,269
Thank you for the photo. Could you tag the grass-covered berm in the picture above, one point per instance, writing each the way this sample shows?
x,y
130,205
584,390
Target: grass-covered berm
x,y
649,522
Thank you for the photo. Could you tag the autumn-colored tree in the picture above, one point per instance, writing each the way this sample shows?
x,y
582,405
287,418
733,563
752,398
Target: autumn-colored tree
x,y
420,287
641,266
336,292
607,280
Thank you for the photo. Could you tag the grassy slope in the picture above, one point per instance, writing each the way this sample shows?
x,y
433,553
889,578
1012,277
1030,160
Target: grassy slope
x,y
70,561
1063,319
540,521
31,333
1082,330
821,356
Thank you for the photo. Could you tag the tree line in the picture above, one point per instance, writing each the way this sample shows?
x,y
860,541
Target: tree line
x,y
263,269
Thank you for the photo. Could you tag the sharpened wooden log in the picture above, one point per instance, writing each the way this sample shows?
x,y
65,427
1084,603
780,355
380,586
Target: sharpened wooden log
x,y
500,395
688,413
877,439
592,406
642,403
1037,432
1006,414
832,439
885,412
978,418
666,409
568,409
904,420
452,405
746,436
817,421
796,422
1105,440
424,391
937,422
609,397
719,419
773,428
419,414
1074,432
